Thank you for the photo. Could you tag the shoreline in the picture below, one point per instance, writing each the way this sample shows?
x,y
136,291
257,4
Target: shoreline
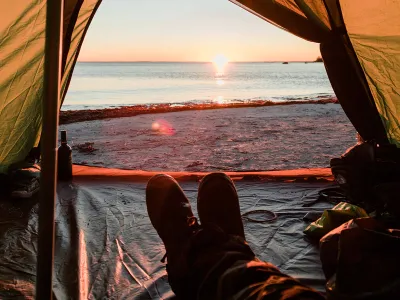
x,y
279,137
75,116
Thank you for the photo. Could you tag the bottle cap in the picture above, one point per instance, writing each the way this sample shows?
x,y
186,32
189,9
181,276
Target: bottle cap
x,y
63,136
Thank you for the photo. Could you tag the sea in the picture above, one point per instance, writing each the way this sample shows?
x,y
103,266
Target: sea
x,y
97,85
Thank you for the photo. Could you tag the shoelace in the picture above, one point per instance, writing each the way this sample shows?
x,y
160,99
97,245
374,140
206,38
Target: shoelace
x,y
193,226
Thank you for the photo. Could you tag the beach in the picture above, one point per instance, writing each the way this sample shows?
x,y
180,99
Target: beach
x,y
193,117
261,137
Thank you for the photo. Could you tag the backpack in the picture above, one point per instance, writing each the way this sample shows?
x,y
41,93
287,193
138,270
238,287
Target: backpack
x,y
369,175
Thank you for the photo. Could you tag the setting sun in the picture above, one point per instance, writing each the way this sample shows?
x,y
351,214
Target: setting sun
x,y
220,61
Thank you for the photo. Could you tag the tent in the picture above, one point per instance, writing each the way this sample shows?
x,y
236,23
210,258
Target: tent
x,y
22,35
360,43
361,59
360,46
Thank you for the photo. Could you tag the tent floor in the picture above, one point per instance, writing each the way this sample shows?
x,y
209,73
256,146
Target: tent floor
x,y
106,247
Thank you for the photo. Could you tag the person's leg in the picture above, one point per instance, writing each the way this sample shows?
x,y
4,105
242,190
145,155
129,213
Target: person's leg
x,y
218,204
261,280
171,215
193,253
236,273
214,262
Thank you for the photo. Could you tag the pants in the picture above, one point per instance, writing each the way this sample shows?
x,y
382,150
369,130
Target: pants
x,y
217,266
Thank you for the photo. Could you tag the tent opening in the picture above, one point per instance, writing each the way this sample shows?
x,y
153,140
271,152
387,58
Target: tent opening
x,y
213,114
234,132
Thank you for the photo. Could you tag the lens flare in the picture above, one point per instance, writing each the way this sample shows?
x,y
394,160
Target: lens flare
x,y
163,127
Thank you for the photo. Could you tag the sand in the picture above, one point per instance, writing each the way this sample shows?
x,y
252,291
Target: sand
x,y
253,138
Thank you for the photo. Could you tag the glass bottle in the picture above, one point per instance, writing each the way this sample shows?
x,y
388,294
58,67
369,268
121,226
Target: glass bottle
x,y
64,159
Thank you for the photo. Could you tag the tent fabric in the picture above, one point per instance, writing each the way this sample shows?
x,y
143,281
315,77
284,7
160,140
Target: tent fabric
x,y
315,11
22,42
87,10
22,39
367,35
339,60
348,80
374,31
71,13
291,5
106,246
286,15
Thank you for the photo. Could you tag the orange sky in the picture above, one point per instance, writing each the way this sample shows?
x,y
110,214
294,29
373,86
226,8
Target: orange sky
x,y
187,30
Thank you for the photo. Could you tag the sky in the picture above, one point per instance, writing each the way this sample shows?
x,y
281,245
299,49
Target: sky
x,y
187,30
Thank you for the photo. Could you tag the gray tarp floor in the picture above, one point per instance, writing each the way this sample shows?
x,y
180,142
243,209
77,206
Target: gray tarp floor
x,y
106,247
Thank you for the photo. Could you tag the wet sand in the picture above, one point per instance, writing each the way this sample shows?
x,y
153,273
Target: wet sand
x,y
72,116
267,137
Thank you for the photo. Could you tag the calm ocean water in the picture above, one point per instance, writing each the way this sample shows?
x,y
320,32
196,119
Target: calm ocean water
x,y
99,85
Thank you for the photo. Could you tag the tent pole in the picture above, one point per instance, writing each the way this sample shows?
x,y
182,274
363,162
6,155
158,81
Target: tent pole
x,y
48,178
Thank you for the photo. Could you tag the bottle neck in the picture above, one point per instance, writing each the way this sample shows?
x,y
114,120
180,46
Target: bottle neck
x,y
63,137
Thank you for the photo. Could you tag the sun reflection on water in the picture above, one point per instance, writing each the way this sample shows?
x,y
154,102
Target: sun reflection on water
x,y
220,61
220,81
219,100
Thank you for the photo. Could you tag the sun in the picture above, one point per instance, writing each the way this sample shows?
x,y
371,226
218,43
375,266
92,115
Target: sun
x,y
220,61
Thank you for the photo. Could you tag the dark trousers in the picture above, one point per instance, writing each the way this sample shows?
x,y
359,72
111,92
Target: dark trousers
x,y
217,266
